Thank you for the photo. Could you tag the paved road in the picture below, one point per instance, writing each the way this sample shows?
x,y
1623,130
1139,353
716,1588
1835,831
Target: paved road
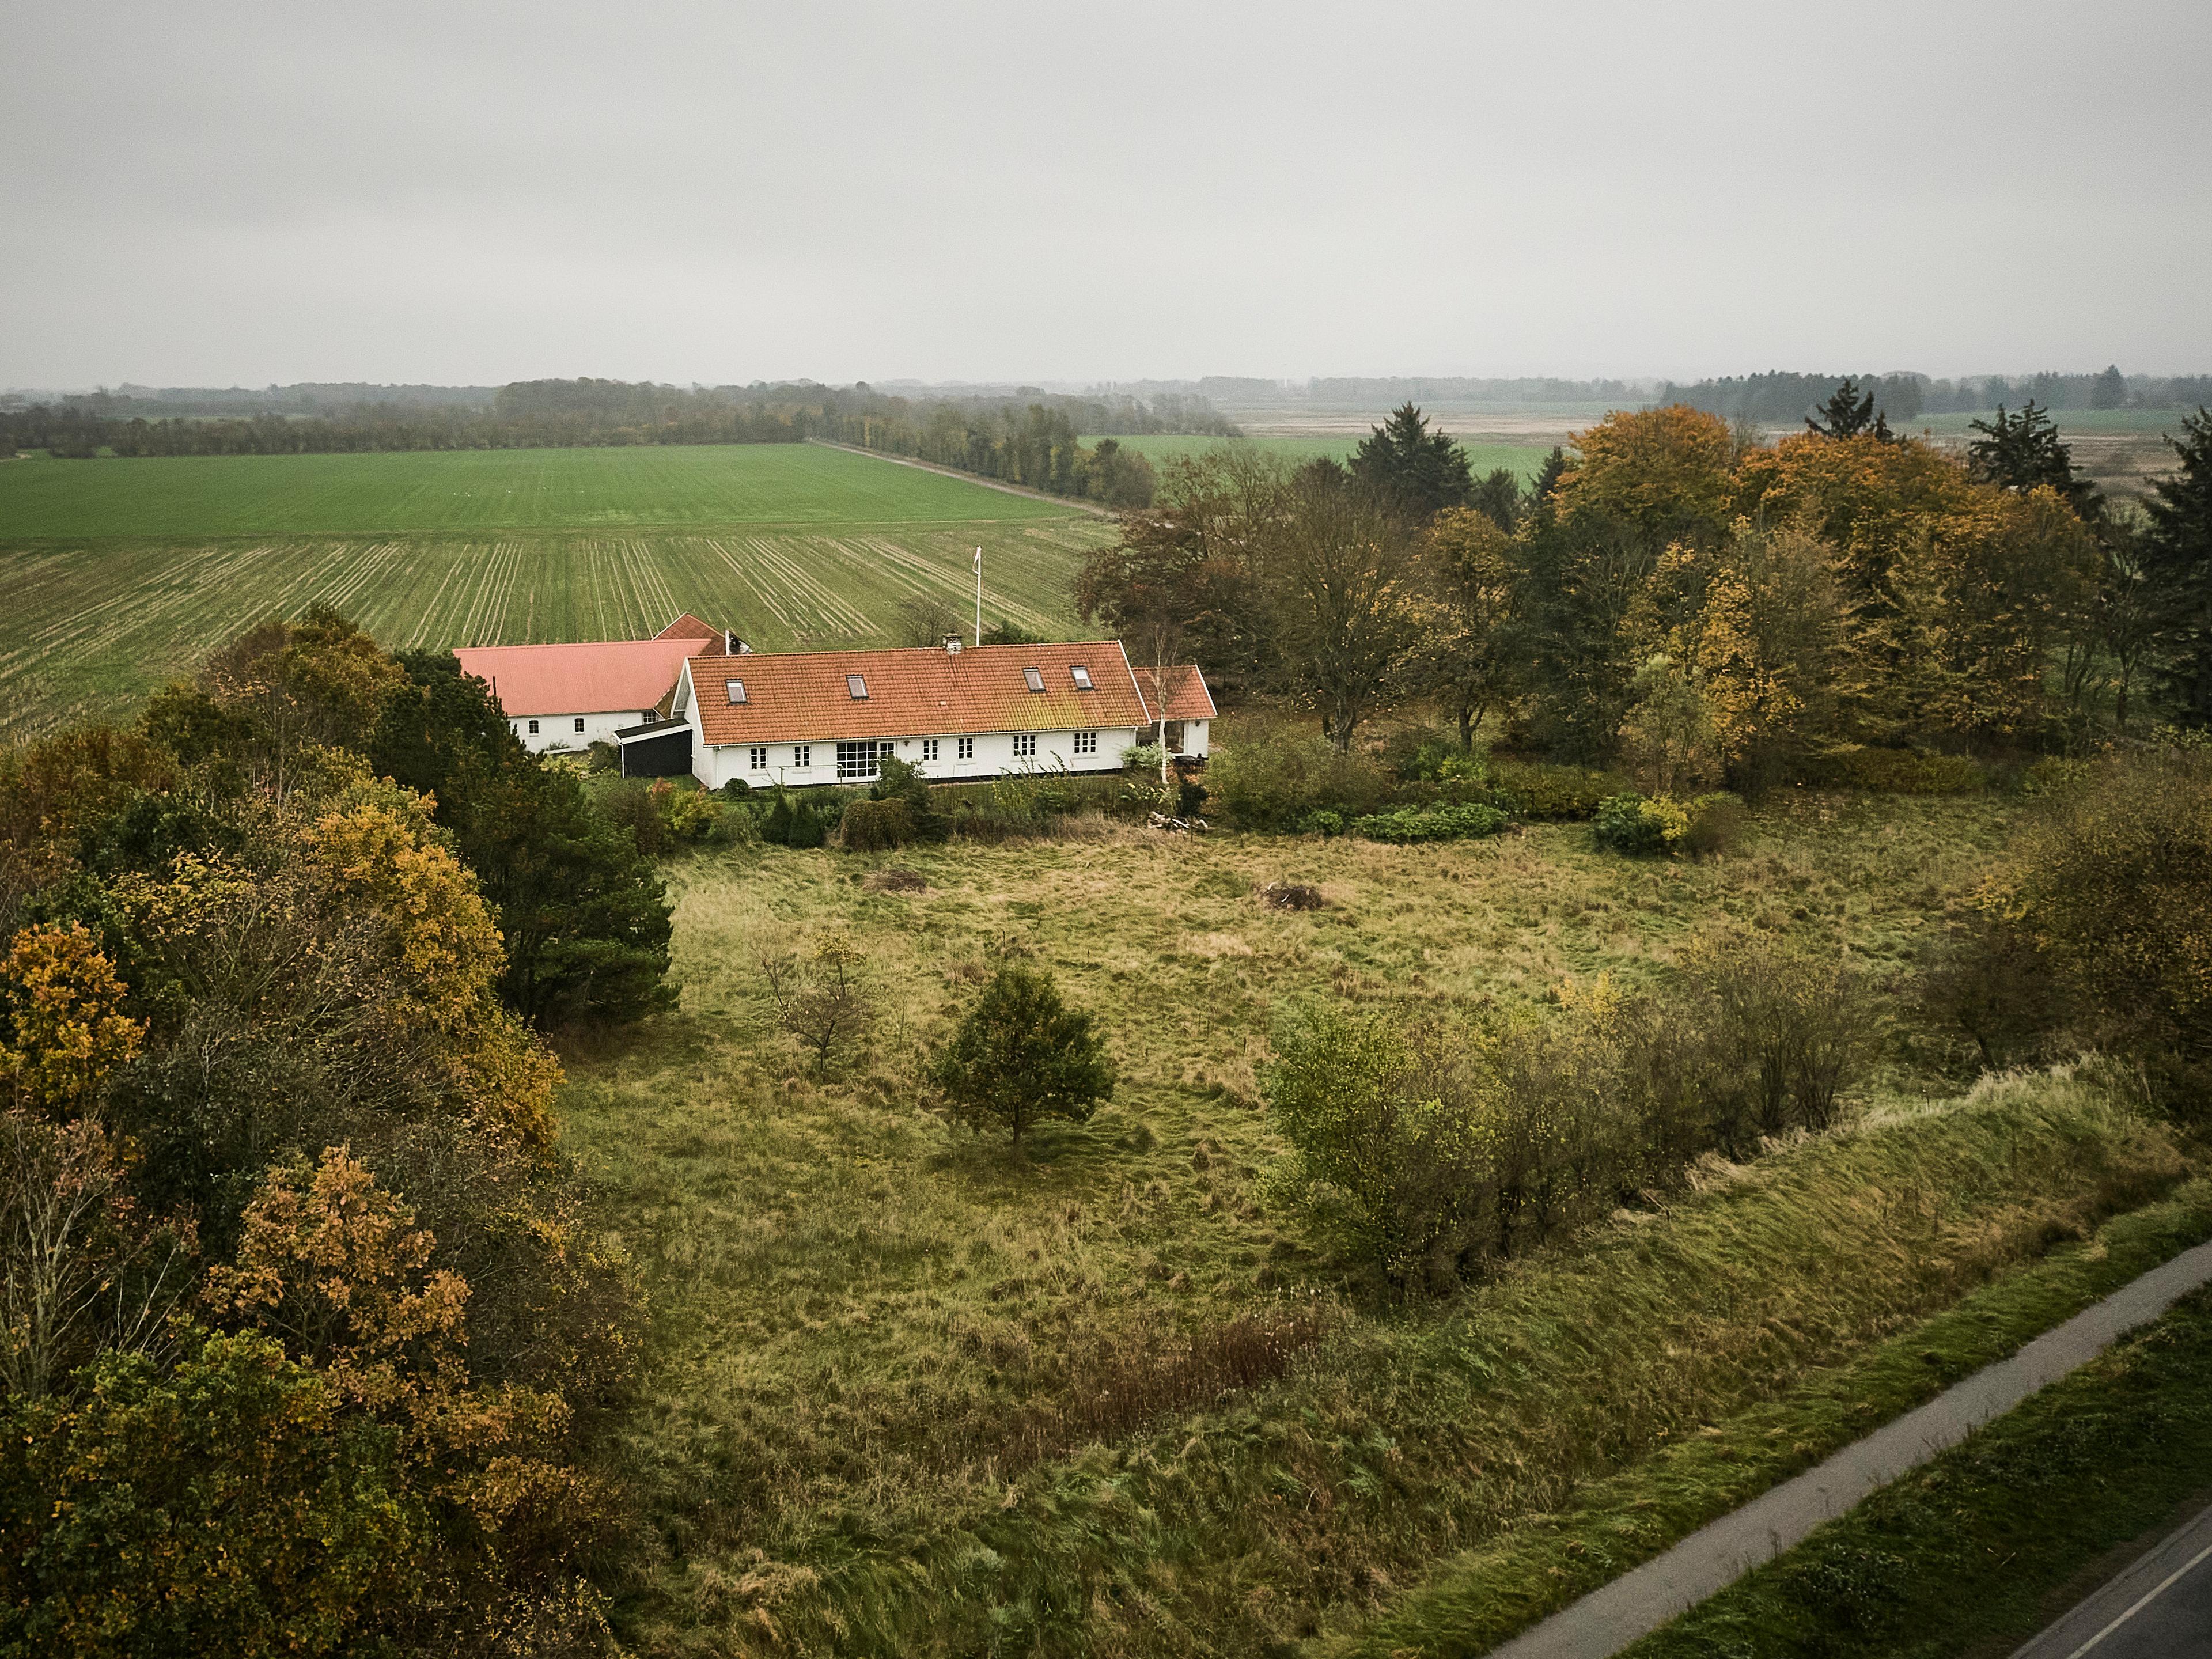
x,y
2159,1608
1714,1557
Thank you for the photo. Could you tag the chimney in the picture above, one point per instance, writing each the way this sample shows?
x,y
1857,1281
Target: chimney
x,y
951,645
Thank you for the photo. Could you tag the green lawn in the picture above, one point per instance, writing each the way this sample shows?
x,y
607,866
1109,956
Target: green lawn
x,y
122,573
2097,423
1522,459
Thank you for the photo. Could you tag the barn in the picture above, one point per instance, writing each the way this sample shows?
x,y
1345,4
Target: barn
x,y
561,698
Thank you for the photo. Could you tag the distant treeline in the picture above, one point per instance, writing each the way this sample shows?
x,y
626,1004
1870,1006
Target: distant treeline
x,y
1783,396
1381,391
1030,438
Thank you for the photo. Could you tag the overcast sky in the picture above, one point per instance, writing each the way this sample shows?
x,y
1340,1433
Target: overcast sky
x,y
201,193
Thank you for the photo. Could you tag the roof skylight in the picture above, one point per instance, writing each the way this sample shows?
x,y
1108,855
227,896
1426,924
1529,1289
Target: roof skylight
x,y
858,685
736,688
1082,677
1034,678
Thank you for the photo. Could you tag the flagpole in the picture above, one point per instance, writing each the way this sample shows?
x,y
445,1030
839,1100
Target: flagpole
x,y
979,596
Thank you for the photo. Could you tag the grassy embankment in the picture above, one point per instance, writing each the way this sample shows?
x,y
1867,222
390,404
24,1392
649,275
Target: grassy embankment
x,y
1997,1537
909,1392
121,573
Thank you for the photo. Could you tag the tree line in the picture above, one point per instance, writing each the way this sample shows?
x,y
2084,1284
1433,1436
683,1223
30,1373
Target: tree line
x,y
1783,396
1676,598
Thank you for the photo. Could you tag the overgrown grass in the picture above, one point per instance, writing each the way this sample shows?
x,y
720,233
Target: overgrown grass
x,y
911,1389
1995,1537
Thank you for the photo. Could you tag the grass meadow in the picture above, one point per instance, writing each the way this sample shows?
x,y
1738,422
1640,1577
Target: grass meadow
x,y
910,1392
1524,459
121,574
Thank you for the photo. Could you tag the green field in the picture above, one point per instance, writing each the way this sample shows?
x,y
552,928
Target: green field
x,y
2089,422
122,573
1522,459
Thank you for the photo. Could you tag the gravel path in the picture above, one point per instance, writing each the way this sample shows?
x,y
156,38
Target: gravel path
x,y
1716,1556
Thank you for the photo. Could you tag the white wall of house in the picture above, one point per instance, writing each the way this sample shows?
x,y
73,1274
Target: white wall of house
x,y
558,731
993,753
1194,739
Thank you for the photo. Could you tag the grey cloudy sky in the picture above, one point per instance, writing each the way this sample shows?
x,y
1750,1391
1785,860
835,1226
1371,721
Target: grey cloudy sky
x,y
235,193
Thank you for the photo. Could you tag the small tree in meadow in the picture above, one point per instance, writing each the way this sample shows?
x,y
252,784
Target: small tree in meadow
x,y
1022,1055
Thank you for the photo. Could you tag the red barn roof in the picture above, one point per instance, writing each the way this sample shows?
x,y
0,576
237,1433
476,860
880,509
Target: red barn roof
x,y
689,627
613,676
1187,697
805,694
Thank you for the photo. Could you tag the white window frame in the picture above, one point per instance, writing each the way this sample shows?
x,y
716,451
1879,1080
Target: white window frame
x,y
929,748
1080,673
1086,743
1024,746
862,760
802,756
757,757
579,722
965,748
533,728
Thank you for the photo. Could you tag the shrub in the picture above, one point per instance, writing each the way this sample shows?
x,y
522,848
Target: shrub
x,y
1639,825
875,826
899,783
1273,779
2112,892
602,757
1718,824
798,820
821,1002
1896,772
1324,822
689,814
1144,757
1784,1035
1441,823
1022,1055
630,804
1544,791
1190,798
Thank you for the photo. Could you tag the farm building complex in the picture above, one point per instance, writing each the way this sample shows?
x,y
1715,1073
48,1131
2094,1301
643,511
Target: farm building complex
x,y
696,699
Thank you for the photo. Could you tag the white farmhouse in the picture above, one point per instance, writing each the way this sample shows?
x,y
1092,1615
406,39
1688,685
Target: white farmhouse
x,y
828,717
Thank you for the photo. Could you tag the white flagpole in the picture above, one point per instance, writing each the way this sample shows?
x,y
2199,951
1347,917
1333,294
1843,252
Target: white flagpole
x,y
979,596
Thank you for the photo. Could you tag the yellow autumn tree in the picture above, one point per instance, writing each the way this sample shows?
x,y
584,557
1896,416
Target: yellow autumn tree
x,y
66,1031
1666,472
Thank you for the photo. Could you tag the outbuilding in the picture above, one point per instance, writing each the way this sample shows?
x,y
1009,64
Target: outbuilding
x,y
561,698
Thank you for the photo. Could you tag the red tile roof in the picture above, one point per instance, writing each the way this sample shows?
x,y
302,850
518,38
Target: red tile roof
x,y
1187,698
802,693
689,627
614,677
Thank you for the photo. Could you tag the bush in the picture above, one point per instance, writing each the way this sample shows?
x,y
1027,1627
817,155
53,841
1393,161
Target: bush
x,y
1718,825
798,820
1190,798
875,826
2109,897
900,782
821,1001
602,757
1442,822
630,804
1324,822
1144,757
1639,825
1022,1055
1274,779
689,814
1896,772
1544,791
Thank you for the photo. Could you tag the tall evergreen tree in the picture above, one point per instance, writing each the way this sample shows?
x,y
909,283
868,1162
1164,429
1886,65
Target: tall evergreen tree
x,y
583,918
1418,471
1849,413
2023,451
2110,389
2177,566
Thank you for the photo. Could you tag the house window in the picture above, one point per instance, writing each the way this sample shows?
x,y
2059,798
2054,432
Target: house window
x,y
1086,743
533,728
579,722
802,754
1024,746
857,685
1034,678
929,748
736,688
1082,677
756,758
858,760
966,747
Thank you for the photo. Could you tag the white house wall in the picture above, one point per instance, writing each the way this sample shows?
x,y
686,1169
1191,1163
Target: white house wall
x,y
716,765
558,731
